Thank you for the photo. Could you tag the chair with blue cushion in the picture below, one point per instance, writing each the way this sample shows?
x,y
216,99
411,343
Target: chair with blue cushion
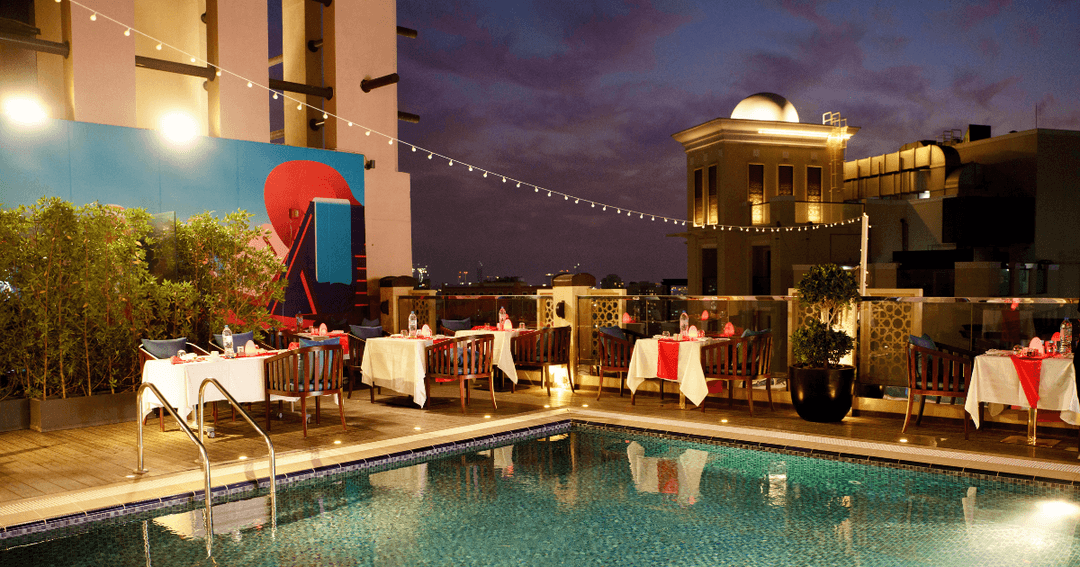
x,y
460,360
450,326
239,340
937,370
740,359
357,342
614,353
161,349
542,349
307,372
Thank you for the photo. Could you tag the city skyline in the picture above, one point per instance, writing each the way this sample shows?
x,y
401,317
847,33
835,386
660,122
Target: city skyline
x,y
583,99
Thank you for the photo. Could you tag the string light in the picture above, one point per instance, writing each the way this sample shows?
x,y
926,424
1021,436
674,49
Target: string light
x,y
390,140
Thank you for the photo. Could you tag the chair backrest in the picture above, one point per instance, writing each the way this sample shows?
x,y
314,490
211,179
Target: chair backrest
x,y
614,352
308,370
281,372
321,367
469,356
738,356
931,370
356,350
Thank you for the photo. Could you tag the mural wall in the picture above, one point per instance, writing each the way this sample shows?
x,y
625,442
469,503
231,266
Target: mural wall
x,y
311,200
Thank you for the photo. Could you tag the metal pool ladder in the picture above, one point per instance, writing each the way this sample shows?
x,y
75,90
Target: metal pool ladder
x,y
269,445
202,453
202,450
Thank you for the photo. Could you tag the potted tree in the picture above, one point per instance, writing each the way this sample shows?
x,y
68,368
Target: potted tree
x,y
822,388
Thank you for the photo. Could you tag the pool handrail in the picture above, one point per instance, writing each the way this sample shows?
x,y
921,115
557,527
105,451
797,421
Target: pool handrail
x,y
259,430
191,435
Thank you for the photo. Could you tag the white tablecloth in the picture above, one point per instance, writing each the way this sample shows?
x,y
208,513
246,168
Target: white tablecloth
x,y
501,355
179,383
994,380
397,364
691,377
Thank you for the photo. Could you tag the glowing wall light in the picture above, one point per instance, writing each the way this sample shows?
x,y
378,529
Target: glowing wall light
x,y
178,127
24,110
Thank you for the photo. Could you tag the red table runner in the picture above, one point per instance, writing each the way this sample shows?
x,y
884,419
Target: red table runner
x,y
1028,369
667,361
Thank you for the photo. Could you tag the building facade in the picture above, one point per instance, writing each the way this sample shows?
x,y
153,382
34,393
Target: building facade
x,y
763,169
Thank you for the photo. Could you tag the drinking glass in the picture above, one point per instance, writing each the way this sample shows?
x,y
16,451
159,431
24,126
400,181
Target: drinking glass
x,y
521,326
181,353
667,334
240,350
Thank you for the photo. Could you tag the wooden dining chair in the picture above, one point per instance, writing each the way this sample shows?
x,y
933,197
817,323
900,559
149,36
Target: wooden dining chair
x,y
356,358
940,371
461,360
153,350
304,373
739,359
542,349
614,354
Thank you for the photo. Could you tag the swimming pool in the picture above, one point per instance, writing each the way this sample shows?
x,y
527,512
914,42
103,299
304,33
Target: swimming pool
x,y
600,497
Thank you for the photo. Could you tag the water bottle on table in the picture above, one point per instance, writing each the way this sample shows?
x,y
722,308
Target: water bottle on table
x,y
412,323
1065,337
226,341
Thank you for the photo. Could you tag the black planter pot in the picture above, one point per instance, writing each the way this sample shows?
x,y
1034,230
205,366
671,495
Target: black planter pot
x,y
821,395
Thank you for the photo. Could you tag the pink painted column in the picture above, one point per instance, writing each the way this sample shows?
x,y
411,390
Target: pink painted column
x,y
238,43
100,71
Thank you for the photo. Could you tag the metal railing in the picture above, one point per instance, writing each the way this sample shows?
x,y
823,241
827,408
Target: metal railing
x,y
247,418
191,435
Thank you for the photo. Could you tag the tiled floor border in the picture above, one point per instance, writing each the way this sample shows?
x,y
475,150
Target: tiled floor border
x,y
79,521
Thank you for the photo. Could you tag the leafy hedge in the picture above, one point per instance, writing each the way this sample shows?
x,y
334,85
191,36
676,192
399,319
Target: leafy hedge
x,y
77,293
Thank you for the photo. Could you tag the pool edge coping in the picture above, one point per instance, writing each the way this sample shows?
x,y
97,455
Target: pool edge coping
x,y
303,465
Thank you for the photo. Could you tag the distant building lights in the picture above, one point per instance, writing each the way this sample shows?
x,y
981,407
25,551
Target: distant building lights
x,y
799,133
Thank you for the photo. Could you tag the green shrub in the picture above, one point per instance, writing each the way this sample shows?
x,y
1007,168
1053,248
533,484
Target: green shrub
x,y
829,290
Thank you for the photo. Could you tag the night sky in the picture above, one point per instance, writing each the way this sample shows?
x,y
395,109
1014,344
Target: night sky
x,y
582,98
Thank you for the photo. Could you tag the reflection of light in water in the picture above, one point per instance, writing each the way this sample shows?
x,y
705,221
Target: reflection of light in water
x,y
1039,535
1057,509
777,476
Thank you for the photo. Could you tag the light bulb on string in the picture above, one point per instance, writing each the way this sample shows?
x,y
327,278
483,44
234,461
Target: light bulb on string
x,y
325,116
300,106
127,32
605,208
565,198
158,47
485,174
390,141
594,205
192,59
504,179
275,95
429,156
249,84
618,211
451,163
414,149
642,215
218,73
470,168
350,126
93,17
519,184
368,133
576,201
549,193
654,219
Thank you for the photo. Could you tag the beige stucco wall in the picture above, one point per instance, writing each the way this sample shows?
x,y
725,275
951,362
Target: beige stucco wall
x,y
100,71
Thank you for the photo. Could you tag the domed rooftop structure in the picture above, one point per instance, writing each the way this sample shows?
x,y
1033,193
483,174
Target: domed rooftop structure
x,y
765,106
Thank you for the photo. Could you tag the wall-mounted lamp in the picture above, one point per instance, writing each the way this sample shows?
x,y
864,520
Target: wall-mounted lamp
x,y
370,164
315,124
313,45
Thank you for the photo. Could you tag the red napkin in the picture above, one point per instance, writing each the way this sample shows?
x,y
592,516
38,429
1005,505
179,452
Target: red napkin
x,y
1028,370
729,330
294,346
485,328
667,363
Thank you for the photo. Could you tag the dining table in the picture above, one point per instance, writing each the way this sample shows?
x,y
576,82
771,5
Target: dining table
x,y
502,356
179,382
1001,378
646,362
397,363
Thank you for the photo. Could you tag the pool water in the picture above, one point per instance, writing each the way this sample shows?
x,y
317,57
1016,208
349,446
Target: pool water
x,y
592,497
